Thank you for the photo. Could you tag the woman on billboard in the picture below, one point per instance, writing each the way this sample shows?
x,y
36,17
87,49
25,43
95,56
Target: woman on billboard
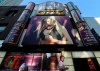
x,y
49,32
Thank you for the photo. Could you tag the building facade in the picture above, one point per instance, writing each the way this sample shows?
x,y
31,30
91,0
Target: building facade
x,y
72,26
23,28
94,24
10,2
8,16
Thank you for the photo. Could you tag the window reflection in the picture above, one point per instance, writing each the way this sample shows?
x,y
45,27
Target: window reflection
x,y
51,8
2,28
50,5
41,6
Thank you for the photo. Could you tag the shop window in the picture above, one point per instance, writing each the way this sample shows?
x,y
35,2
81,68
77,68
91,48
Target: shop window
x,y
97,53
1,60
68,61
2,28
82,54
2,54
66,54
98,59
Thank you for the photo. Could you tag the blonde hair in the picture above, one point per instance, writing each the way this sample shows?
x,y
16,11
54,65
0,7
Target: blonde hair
x,y
42,25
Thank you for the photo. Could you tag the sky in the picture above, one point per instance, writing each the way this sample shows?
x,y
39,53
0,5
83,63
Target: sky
x,y
88,8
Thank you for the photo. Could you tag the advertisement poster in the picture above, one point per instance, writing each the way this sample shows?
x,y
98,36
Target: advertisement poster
x,y
15,61
18,61
49,30
86,35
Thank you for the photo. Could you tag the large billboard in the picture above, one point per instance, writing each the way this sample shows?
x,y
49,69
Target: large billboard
x,y
49,30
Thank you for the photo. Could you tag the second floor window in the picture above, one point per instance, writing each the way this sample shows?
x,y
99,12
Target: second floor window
x,y
11,13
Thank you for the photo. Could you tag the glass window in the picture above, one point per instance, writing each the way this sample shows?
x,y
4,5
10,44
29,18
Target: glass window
x,y
97,53
60,6
1,60
76,16
2,54
36,7
78,9
66,54
79,16
34,13
56,5
74,6
98,59
41,6
11,13
50,5
68,61
2,28
82,54
44,6
70,6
